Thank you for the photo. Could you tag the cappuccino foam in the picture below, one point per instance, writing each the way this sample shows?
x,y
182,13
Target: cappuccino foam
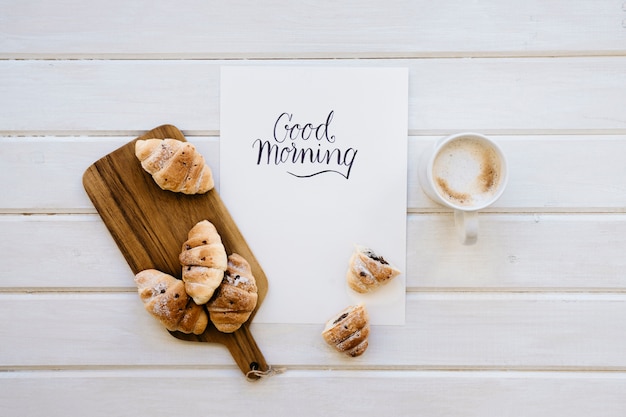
x,y
467,172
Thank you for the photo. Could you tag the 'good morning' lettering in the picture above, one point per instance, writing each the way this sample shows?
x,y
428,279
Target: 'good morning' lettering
x,y
308,148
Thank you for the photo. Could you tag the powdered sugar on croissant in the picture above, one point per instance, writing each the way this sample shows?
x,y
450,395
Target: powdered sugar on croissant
x,y
175,165
348,331
235,298
368,270
204,261
165,298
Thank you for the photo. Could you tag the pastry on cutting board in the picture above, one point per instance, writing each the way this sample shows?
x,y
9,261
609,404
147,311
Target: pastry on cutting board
x,y
175,165
204,261
235,298
367,270
165,298
348,331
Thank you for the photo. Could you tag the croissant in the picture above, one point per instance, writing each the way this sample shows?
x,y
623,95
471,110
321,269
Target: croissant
x,y
203,258
175,165
235,298
165,298
348,331
368,271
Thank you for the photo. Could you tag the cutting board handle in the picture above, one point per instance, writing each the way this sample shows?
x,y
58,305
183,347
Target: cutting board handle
x,y
241,346
246,353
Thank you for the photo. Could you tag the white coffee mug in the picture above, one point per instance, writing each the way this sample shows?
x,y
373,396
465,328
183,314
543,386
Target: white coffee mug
x,y
466,172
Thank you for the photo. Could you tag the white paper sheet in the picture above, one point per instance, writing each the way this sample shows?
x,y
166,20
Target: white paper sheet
x,y
302,219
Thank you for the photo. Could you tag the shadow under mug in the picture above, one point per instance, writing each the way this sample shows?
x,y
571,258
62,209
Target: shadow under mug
x,y
466,172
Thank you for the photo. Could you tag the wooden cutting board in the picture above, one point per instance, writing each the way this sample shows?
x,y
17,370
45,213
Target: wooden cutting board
x,y
150,225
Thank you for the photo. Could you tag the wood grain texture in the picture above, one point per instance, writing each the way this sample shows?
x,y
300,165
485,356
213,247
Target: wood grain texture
x,y
149,226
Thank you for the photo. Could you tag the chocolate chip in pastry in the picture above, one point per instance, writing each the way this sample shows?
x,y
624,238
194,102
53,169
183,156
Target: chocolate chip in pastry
x,y
204,261
235,298
368,270
348,331
165,298
175,165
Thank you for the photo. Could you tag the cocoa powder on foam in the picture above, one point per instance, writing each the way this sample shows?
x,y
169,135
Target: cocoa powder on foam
x,y
463,158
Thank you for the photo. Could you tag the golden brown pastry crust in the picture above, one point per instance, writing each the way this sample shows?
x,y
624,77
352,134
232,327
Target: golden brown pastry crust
x,y
165,298
175,165
235,298
203,258
348,331
368,270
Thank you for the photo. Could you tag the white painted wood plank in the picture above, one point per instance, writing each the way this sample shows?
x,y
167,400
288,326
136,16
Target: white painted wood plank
x,y
524,252
518,253
443,331
548,173
46,173
366,393
107,95
60,252
490,95
97,28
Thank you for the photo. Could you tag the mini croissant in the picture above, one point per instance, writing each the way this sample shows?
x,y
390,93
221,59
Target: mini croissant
x,y
203,258
165,298
235,298
368,271
348,331
175,165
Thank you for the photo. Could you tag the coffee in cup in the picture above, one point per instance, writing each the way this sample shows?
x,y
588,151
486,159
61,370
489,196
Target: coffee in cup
x,y
466,172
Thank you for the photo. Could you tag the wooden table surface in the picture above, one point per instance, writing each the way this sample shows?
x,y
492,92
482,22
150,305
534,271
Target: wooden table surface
x,y
531,321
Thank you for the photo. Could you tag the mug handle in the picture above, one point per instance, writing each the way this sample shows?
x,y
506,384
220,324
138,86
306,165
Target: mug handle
x,y
466,226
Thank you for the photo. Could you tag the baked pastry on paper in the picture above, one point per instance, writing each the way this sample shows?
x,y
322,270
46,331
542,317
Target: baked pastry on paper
x,y
368,270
